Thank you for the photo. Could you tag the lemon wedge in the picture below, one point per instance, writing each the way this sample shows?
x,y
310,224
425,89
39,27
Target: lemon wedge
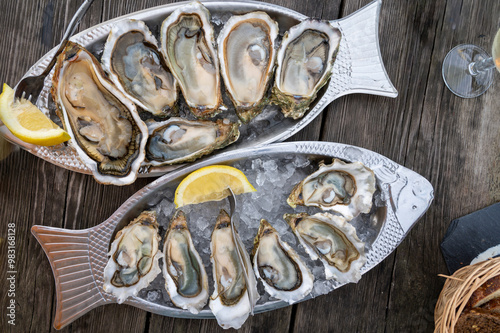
x,y
210,184
27,122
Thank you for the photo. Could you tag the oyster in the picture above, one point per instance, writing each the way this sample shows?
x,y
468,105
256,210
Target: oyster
x,y
247,57
345,188
135,65
107,133
333,240
187,45
179,140
304,64
134,255
282,272
230,302
185,278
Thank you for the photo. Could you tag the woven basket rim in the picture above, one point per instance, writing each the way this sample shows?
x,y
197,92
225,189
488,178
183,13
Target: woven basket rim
x,y
457,290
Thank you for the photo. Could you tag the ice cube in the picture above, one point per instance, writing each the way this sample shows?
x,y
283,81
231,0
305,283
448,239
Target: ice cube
x,y
261,179
269,165
289,239
152,295
318,270
280,226
250,212
320,288
202,222
165,210
289,170
301,161
256,164
265,204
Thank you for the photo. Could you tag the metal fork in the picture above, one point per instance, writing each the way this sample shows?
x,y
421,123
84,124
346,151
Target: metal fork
x,y
31,86
239,248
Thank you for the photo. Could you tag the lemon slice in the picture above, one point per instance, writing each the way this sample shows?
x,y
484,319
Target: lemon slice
x,y
210,184
27,122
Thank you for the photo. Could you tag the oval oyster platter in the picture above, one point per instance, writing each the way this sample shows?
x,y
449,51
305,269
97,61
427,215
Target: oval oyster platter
x,y
357,68
78,257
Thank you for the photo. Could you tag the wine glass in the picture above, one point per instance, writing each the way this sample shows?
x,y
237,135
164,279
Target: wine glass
x,y
468,69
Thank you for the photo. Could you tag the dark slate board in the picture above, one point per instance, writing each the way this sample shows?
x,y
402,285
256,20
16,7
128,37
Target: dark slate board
x,y
471,235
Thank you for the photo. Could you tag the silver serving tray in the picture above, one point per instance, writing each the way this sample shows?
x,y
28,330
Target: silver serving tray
x,y
358,68
78,257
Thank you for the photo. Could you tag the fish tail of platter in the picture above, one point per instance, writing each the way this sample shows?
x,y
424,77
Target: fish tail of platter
x,y
359,67
71,254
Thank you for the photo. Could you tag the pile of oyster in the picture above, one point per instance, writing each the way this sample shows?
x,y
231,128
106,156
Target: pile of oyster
x,y
340,187
122,113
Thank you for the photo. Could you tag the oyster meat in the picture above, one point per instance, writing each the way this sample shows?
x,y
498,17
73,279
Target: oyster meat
x,y
282,272
135,65
304,62
333,240
247,56
187,38
179,140
106,130
134,255
230,302
345,188
185,278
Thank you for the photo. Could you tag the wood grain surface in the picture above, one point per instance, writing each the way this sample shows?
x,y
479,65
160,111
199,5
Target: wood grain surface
x,y
453,142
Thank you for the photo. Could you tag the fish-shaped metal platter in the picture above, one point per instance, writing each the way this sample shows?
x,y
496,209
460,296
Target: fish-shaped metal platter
x,y
358,68
78,257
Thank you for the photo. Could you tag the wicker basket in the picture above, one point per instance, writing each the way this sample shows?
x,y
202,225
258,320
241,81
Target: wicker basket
x,y
457,290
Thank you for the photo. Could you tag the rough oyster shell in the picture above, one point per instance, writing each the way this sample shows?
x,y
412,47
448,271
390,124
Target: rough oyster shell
x,y
281,270
187,38
230,302
186,280
333,240
134,255
178,140
135,65
107,133
304,62
345,188
247,57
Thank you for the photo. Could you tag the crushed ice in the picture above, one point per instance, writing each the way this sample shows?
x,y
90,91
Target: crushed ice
x,y
274,179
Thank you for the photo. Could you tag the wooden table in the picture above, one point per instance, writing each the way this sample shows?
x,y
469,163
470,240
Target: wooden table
x,y
453,142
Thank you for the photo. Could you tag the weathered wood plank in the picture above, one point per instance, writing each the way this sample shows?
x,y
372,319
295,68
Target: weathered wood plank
x,y
26,200
31,189
455,146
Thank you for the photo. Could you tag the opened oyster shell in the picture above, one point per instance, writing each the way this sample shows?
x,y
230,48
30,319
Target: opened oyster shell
x,y
185,278
247,56
135,65
106,130
178,140
333,240
345,188
187,38
282,272
230,302
134,255
304,62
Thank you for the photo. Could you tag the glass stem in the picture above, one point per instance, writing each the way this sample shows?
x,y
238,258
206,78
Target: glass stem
x,y
478,67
